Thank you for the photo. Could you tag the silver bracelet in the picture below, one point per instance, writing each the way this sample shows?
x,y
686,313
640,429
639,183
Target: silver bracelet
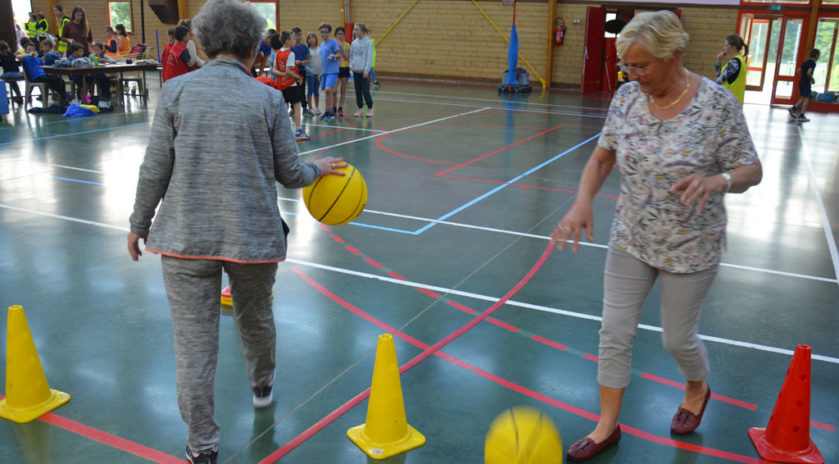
x,y
727,178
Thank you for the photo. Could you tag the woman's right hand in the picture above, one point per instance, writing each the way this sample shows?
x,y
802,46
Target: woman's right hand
x,y
579,217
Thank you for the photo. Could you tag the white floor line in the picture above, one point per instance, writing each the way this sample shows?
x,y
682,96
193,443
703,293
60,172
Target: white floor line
x,y
563,312
814,187
600,115
496,101
449,291
582,243
393,131
362,129
95,171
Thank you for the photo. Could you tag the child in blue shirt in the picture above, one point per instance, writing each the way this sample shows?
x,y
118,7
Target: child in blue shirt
x,y
330,54
32,65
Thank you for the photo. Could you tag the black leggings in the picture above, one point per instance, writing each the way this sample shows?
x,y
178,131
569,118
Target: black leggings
x,y
362,88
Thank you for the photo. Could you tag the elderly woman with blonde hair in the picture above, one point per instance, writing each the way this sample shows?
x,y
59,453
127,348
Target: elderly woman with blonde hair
x,y
681,144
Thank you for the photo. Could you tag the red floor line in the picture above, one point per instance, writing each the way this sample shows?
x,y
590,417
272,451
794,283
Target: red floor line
x,y
453,168
590,357
552,343
336,238
352,249
373,263
427,292
395,275
314,429
502,324
459,306
405,155
110,440
681,386
822,425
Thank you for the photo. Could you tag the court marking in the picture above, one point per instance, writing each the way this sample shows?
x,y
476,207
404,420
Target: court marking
x,y
108,439
329,147
448,223
503,186
429,350
476,99
831,242
562,312
73,134
498,107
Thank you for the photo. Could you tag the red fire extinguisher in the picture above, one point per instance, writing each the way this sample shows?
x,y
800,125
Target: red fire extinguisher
x,y
560,31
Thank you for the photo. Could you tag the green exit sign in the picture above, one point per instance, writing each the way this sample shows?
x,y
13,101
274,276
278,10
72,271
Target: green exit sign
x,y
775,7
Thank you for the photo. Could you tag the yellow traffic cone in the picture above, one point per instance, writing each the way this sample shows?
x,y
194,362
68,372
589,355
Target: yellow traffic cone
x,y
27,394
386,432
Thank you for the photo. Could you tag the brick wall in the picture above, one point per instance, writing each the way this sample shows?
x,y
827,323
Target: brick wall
x,y
453,39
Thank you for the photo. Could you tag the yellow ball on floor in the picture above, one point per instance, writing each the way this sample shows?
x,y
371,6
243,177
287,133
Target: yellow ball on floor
x,y
523,435
337,200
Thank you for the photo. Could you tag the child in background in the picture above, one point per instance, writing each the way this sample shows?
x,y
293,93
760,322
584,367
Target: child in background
x,y
111,44
50,54
11,70
804,83
263,55
313,73
32,63
76,58
330,53
301,59
361,61
178,61
343,67
123,40
288,78
100,58
373,67
169,42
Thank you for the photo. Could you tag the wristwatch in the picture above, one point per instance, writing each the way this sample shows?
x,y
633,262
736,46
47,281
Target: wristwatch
x,y
727,178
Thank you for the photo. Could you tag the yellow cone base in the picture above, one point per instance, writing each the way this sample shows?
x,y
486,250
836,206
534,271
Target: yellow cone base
x,y
411,440
21,415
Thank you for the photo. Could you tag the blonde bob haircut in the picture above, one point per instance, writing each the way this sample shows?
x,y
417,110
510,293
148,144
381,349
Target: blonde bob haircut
x,y
661,31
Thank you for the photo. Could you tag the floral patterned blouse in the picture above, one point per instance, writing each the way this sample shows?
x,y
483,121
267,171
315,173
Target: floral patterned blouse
x,y
709,137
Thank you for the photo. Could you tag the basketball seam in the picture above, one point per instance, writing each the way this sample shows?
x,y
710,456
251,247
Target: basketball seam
x,y
338,197
355,211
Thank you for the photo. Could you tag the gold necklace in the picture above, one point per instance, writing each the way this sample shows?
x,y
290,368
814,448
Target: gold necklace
x,y
687,87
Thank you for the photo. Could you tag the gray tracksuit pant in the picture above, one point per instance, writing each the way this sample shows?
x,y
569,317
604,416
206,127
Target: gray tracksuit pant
x,y
193,287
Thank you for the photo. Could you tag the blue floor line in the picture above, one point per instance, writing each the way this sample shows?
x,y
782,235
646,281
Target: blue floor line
x,y
78,180
72,134
505,185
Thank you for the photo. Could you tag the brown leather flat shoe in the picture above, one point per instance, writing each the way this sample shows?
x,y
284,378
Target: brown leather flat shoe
x,y
585,448
685,422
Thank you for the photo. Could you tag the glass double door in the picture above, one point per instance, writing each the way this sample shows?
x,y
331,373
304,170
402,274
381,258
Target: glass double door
x,y
775,48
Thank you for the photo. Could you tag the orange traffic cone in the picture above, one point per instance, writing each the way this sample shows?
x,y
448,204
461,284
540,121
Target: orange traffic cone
x,y
386,432
27,394
787,437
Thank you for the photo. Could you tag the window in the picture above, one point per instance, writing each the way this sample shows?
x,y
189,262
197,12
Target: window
x,y
826,73
120,13
267,10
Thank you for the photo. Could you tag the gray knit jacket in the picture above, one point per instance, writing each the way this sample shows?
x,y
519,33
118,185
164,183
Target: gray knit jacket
x,y
219,141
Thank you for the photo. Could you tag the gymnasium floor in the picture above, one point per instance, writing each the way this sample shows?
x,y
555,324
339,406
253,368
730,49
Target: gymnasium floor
x,y
465,187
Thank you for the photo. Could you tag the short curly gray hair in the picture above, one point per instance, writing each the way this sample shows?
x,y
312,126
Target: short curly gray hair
x,y
228,26
661,30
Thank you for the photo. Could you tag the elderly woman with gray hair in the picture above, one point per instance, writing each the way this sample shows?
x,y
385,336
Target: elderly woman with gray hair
x,y
220,140
681,143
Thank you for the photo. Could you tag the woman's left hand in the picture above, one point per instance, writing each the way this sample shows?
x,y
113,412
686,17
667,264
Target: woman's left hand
x,y
697,187
330,165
